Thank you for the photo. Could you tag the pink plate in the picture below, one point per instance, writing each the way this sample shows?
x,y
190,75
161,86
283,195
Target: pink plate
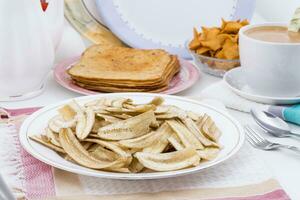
x,y
187,77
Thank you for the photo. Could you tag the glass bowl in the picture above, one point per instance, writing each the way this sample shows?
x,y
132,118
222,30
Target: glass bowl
x,y
214,66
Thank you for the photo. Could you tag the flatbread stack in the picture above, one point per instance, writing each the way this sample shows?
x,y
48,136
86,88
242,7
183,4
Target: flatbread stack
x,y
122,69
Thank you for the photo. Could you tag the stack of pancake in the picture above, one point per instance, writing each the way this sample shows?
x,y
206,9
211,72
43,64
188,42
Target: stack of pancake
x,y
121,69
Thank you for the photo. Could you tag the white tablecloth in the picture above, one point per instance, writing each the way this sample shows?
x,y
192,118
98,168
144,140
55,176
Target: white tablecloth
x,y
284,165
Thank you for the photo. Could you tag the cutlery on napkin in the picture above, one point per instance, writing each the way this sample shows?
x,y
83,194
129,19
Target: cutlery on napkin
x,y
221,92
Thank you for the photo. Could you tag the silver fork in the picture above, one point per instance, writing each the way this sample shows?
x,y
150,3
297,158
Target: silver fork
x,y
258,141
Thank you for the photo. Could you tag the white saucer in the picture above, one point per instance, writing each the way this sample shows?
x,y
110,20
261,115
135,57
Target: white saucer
x,y
235,80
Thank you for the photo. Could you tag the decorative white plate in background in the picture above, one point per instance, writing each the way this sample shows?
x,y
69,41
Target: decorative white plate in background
x,y
231,140
167,24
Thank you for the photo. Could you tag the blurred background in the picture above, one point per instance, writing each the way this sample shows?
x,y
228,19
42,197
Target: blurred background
x,y
265,11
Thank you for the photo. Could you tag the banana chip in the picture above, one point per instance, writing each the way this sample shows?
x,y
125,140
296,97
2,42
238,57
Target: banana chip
x,y
78,153
157,147
193,116
92,135
129,128
122,116
111,146
190,124
104,154
67,112
176,143
145,140
108,118
80,126
187,138
90,120
57,123
85,122
120,103
169,161
162,143
209,128
162,109
167,116
53,126
53,137
135,166
76,107
47,144
157,101
208,153
140,108
120,136
98,124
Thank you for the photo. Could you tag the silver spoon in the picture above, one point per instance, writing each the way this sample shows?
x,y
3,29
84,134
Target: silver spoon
x,y
272,124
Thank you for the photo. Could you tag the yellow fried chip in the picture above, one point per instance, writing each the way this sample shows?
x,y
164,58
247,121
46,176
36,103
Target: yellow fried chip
x,y
231,50
195,32
210,33
220,54
212,44
195,43
202,50
228,43
232,27
222,37
244,22
235,38
223,24
218,42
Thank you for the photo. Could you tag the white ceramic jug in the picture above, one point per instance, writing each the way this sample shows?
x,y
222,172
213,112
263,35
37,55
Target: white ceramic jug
x,y
28,37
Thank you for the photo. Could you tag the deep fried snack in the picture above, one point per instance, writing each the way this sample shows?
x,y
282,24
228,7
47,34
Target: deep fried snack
x,y
121,136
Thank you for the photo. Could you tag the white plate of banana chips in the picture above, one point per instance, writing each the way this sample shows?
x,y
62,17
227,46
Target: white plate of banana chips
x,y
131,136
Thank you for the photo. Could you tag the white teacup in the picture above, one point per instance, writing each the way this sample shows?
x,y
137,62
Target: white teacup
x,y
270,68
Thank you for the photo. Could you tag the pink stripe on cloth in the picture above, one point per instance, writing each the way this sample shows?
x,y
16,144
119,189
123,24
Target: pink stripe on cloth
x,y
39,182
22,111
274,195
38,176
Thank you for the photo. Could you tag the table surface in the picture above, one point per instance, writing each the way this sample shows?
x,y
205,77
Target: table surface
x,y
283,165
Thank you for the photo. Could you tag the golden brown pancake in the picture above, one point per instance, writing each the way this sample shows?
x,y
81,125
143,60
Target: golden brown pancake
x,y
124,69
170,70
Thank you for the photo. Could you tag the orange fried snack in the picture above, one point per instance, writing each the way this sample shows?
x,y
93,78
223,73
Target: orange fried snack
x,y
195,43
218,42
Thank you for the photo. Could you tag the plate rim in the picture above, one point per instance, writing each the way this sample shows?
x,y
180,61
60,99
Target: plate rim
x,y
256,97
194,76
124,32
23,137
